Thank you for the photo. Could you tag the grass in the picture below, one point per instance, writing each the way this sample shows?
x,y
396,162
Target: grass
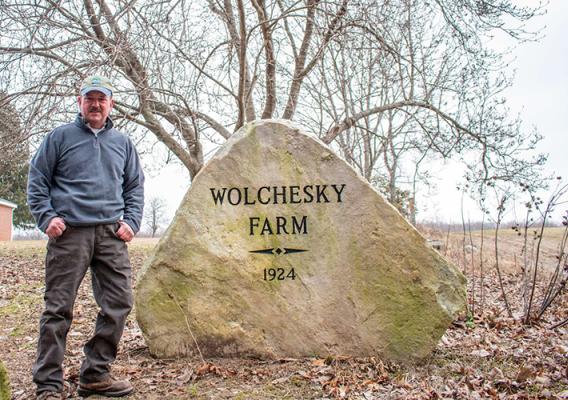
x,y
22,301
23,248
35,247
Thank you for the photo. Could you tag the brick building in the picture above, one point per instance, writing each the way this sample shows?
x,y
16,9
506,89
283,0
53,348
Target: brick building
x,y
6,209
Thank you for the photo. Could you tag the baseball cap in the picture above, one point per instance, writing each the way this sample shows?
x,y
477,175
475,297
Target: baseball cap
x,y
98,83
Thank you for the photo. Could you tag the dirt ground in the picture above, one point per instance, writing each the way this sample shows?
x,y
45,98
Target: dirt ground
x,y
487,356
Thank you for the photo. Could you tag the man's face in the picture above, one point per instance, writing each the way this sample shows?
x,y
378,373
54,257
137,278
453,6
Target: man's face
x,y
95,107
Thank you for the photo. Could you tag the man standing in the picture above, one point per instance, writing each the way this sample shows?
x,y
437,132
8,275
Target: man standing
x,y
85,191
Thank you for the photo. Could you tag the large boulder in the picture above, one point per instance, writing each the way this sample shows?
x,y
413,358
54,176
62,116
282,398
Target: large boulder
x,y
280,249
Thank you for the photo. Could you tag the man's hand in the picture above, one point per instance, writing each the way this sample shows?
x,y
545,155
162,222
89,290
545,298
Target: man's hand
x,y
55,228
125,232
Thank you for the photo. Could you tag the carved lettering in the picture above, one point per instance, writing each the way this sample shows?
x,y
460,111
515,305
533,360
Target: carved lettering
x,y
275,195
259,195
231,199
218,196
247,201
321,193
295,195
338,191
279,226
309,194
301,227
266,228
253,223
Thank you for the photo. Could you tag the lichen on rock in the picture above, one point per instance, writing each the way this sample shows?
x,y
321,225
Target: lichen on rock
x,y
4,383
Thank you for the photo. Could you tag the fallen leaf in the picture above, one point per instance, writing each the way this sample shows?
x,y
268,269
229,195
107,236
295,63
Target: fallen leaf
x,y
525,374
480,353
280,380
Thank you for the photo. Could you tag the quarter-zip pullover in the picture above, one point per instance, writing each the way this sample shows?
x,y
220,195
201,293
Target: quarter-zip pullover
x,y
86,179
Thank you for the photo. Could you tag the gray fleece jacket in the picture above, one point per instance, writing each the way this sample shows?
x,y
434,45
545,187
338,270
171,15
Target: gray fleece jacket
x,y
86,179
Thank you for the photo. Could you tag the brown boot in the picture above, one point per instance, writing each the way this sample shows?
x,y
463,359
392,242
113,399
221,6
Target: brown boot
x,y
49,396
110,387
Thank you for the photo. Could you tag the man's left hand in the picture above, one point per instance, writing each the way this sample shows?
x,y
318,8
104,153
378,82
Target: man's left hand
x,y
125,232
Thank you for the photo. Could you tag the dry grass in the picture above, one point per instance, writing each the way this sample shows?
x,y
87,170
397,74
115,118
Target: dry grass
x,y
475,246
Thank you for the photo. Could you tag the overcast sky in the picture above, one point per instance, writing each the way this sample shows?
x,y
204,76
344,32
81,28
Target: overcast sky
x,y
539,94
540,91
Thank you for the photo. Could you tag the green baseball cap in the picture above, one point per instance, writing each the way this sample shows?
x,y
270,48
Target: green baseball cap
x,y
98,83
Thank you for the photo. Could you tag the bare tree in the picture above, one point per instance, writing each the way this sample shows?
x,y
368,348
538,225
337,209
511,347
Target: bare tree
x,y
417,72
14,164
155,214
400,78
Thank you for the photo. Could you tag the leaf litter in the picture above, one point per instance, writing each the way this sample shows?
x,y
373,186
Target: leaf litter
x,y
491,357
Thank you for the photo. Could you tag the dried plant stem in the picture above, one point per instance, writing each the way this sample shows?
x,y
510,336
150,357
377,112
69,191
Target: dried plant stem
x,y
464,257
553,290
188,327
560,324
472,262
464,269
481,265
497,226
535,269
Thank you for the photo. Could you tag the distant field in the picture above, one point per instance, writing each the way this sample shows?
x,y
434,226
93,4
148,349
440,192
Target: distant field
x,y
38,246
510,244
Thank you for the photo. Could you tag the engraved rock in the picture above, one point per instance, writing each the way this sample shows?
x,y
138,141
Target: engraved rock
x,y
280,249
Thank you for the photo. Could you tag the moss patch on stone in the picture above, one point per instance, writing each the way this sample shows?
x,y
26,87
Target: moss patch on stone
x,y
5,393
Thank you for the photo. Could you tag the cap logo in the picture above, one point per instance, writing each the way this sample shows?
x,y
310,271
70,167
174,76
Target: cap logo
x,y
98,83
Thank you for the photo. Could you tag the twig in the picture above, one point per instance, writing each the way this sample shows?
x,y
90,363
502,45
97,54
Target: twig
x,y
188,327
500,210
560,324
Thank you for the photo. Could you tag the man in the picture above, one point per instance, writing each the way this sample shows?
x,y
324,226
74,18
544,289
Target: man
x,y
85,190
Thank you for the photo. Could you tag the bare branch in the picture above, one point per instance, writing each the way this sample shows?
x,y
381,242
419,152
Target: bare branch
x,y
270,73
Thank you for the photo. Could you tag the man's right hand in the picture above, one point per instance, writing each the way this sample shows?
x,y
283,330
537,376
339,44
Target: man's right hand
x,y
55,228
